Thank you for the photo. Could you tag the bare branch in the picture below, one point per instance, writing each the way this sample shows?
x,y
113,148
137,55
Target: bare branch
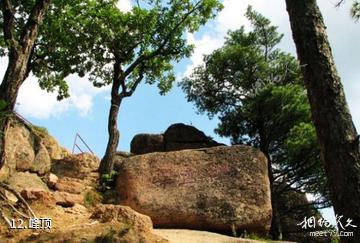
x,y
339,3
21,199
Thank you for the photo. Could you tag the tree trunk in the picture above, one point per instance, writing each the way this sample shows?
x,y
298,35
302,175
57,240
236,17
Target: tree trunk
x,y
275,229
14,77
9,88
20,52
336,132
107,162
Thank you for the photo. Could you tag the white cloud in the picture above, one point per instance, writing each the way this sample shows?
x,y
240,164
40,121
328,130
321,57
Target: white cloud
x,y
34,102
230,18
203,46
124,5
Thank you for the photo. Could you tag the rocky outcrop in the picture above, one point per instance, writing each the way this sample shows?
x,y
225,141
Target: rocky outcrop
x,y
215,189
147,143
26,180
105,223
177,137
78,166
29,148
180,136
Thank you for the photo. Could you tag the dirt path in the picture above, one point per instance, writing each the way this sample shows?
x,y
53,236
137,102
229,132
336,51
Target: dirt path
x,y
193,236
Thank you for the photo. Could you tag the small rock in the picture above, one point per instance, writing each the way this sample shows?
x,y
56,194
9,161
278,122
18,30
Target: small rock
x,y
51,180
67,199
11,197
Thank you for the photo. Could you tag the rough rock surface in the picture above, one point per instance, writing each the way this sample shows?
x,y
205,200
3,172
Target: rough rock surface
x,y
26,180
136,222
70,185
66,199
78,224
214,189
180,136
28,148
177,137
78,166
147,143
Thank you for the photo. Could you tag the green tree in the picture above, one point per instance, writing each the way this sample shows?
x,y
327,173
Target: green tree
x,y
20,22
33,39
338,138
123,49
255,90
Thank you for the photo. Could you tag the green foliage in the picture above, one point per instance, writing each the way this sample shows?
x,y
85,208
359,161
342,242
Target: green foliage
x,y
254,236
97,39
42,130
3,105
114,236
125,229
92,198
256,91
108,180
42,51
355,10
108,237
335,240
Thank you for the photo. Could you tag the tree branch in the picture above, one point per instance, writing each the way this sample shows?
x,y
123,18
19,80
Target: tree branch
x,y
31,28
136,83
339,3
9,23
158,51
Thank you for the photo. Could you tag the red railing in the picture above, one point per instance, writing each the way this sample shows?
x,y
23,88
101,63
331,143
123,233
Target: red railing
x,y
22,119
77,136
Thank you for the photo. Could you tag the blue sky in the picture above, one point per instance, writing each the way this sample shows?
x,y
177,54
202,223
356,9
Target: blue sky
x,y
147,112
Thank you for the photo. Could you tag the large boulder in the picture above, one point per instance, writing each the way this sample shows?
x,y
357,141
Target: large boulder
x,y
180,136
177,137
214,189
147,143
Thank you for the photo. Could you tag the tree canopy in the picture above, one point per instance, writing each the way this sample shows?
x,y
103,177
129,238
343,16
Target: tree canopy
x,y
122,49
